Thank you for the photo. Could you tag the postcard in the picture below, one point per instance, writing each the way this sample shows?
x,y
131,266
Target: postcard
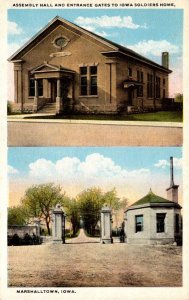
x,y
94,145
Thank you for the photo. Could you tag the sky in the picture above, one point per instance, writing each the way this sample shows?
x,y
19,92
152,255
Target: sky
x,y
131,170
148,32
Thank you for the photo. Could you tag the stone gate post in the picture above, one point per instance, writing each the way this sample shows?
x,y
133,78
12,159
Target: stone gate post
x,y
106,225
58,225
37,224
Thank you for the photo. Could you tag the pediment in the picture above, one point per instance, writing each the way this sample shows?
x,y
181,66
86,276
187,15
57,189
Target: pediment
x,y
54,23
45,68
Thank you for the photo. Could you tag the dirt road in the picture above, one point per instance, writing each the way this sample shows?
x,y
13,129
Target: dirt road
x,y
84,262
83,239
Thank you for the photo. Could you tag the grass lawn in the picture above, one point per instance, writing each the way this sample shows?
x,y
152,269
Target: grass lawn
x,y
161,116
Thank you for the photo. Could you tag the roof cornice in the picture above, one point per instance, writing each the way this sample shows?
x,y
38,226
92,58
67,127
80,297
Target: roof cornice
x,y
165,204
142,59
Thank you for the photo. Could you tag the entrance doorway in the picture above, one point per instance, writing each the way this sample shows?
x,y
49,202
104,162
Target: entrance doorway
x,y
130,95
53,83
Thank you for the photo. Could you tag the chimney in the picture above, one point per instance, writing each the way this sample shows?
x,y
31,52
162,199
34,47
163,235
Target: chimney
x,y
172,191
165,60
171,172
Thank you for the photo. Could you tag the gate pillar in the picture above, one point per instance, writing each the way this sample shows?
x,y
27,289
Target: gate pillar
x,y
106,225
58,225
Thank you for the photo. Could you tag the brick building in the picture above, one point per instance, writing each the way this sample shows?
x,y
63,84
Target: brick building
x,y
70,68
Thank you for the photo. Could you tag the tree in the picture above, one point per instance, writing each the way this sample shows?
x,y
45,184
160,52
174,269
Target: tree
x,y
179,98
72,213
111,199
17,215
39,200
90,203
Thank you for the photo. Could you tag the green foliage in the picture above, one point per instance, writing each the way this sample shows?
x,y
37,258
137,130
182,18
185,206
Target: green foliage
x,y
72,213
111,199
39,200
9,107
159,116
90,203
179,98
17,215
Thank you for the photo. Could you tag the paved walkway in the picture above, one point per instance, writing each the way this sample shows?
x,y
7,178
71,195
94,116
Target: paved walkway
x,y
82,239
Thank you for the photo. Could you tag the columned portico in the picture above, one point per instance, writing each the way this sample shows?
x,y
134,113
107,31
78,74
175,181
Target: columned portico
x,y
60,78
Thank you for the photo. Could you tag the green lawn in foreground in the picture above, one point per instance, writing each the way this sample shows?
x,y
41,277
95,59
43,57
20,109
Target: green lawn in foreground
x,y
161,116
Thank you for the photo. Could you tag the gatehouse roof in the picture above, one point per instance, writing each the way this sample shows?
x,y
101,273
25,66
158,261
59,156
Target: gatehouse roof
x,y
152,199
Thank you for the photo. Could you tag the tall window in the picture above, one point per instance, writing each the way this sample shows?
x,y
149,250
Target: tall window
x,y
40,87
88,81
31,87
130,72
93,80
140,87
150,85
83,78
138,223
157,87
160,222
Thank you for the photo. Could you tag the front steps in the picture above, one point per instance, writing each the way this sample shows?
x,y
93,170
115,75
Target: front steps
x,y
49,108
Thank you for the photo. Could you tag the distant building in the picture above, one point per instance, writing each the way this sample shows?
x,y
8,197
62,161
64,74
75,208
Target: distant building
x,y
67,68
153,219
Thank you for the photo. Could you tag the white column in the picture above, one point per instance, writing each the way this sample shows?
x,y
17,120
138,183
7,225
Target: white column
x,y
58,87
35,105
59,102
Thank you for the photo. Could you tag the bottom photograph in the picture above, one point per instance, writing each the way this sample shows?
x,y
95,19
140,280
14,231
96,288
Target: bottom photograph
x,y
95,217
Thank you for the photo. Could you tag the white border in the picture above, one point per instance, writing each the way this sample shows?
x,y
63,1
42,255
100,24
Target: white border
x,y
181,293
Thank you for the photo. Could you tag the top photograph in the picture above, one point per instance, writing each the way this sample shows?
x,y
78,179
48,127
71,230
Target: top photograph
x,y
91,77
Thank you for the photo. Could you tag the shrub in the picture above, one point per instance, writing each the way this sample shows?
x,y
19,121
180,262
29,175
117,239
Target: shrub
x,y
15,240
9,107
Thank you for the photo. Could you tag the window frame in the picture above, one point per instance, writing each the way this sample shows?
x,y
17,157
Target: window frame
x,y
83,86
140,78
95,86
90,88
160,222
139,225
130,71
40,87
158,87
31,87
150,85
31,90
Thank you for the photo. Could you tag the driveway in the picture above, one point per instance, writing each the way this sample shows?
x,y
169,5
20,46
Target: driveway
x,y
84,262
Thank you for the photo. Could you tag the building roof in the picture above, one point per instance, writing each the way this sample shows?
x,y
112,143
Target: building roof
x,y
152,199
116,48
